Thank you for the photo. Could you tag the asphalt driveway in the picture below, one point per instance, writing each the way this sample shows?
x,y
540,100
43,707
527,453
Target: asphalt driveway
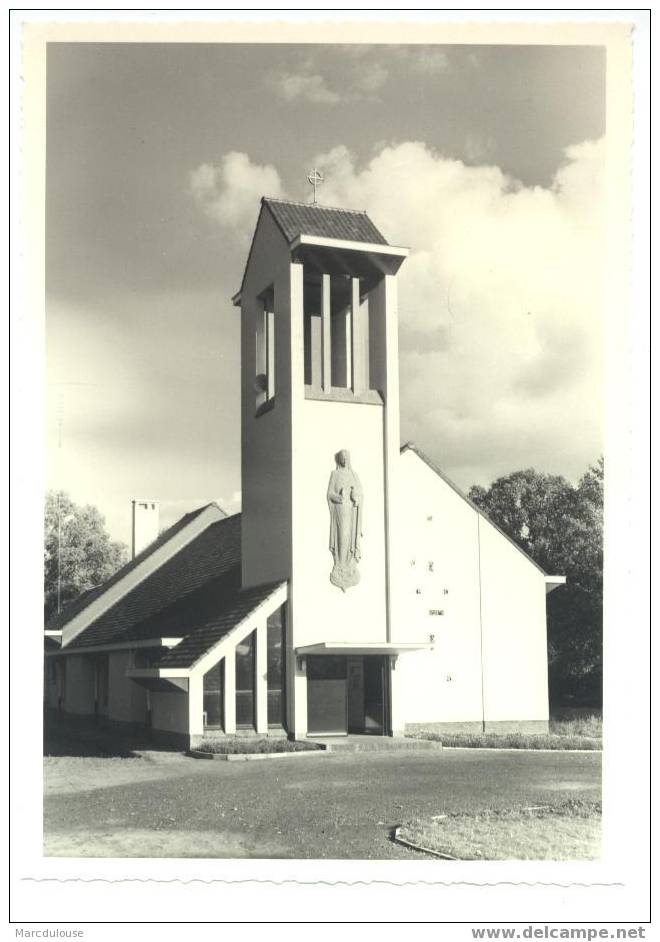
x,y
334,806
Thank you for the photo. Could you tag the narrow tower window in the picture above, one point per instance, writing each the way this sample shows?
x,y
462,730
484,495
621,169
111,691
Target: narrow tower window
x,y
341,331
313,331
265,350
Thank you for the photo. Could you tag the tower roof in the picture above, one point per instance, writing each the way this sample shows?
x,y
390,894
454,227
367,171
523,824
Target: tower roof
x,y
312,227
313,219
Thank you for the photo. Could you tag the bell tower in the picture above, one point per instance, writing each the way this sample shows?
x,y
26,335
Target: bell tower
x,y
320,426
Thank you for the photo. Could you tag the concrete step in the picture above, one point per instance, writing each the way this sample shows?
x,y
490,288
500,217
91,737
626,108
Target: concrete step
x,y
373,744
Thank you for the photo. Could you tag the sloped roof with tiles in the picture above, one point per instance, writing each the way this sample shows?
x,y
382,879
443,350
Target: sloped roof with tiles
x,y
77,606
232,607
211,557
313,219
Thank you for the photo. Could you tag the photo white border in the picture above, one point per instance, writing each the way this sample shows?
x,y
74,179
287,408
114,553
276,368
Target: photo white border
x,y
613,889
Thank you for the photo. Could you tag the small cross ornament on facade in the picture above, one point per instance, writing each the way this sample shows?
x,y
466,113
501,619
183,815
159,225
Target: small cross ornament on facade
x,y
316,179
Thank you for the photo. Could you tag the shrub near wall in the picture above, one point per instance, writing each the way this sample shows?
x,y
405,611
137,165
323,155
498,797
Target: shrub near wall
x,y
251,746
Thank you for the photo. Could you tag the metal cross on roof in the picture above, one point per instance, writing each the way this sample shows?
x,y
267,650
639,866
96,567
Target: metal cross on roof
x,y
316,179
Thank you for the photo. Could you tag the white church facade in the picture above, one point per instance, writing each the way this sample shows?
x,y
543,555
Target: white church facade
x,y
358,591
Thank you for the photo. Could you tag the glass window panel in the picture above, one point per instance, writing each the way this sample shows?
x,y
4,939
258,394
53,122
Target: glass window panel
x,y
214,695
275,668
245,682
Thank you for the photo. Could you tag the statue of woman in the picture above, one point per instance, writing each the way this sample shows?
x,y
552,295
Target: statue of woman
x,y
345,505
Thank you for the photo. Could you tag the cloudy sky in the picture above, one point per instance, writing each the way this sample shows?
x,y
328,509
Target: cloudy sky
x,y
487,161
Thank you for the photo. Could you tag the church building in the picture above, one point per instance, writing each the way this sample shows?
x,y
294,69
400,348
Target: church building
x,y
358,591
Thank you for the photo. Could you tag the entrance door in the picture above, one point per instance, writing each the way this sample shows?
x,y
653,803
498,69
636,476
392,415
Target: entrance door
x,y
326,696
375,695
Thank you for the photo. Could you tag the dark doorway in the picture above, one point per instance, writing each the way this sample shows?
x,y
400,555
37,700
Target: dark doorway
x,y
326,696
375,695
347,695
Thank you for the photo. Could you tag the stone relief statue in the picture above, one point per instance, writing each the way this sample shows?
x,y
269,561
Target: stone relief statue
x,y
345,500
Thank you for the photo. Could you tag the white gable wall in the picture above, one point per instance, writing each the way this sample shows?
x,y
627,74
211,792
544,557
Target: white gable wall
x,y
489,660
514,632
444,684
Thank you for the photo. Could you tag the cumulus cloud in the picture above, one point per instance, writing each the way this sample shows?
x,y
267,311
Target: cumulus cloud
x,y
501,298
357,74
501,303
303,85
424,60
229,191
371,76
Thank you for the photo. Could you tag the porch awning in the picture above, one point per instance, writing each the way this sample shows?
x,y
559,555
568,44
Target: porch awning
x,y
363,647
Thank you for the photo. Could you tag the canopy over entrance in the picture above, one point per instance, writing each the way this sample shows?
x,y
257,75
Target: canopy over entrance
x,y
348,685
363,647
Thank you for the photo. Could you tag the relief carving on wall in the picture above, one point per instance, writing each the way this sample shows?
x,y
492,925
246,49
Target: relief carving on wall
x,y
345,502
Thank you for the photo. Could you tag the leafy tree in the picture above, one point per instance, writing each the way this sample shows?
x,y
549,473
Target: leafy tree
x,y
78,552
561,527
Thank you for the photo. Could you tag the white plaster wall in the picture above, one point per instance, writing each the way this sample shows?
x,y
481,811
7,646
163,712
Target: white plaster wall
x,y
493,630
80,684
127,701
444,684
321,611
384,369
195,704
169,711
514,631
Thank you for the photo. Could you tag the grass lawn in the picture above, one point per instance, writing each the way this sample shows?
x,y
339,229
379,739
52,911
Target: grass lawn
x,y
582,732
588,724
241,746
568,831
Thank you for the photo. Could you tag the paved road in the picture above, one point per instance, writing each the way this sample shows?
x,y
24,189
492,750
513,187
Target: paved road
x,y
333,806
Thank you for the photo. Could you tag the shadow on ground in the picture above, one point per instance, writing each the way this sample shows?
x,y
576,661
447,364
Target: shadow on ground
x,y
64,739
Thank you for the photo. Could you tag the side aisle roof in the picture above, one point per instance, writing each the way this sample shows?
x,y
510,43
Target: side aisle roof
x,y
92,606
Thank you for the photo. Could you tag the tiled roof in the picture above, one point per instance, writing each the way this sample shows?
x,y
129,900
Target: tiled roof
x,y
77,606
213,554
232,608
189,611
313,219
